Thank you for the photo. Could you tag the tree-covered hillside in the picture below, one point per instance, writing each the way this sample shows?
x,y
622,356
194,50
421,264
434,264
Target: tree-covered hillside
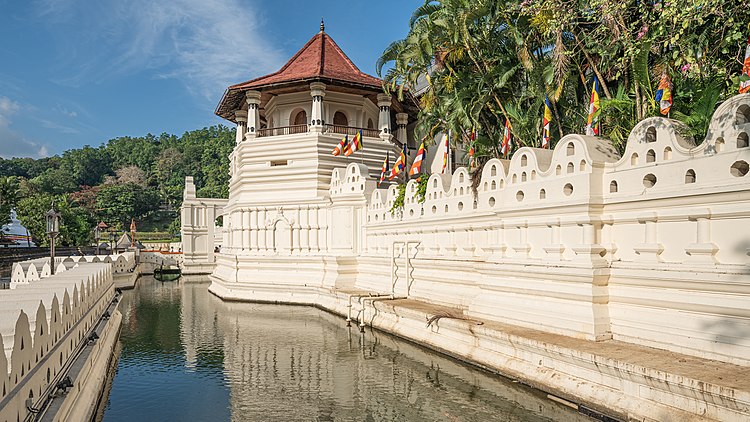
x,y
125,178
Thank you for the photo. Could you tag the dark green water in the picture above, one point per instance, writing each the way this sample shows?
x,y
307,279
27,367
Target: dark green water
x,y
188,356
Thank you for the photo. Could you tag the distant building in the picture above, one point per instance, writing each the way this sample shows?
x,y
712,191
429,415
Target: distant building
x,y
15,235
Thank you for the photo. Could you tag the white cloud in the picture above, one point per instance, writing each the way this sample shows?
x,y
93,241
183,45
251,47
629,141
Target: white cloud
x,y
12,143
207,45
8,108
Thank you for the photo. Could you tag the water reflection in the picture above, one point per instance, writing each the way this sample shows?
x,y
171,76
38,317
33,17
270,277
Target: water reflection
x,y
187,355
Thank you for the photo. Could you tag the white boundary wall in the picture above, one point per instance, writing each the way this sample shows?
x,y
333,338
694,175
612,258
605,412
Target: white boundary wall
x,y
649,248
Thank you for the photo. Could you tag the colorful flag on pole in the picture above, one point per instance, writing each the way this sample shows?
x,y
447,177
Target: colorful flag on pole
x,y
592,126
664,94
342,146
472,150
421,156
385,170
745,76
355,145
446,151
546,122
505,146
399,165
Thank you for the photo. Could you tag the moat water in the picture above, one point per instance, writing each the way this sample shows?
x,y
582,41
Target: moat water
x,y
188,356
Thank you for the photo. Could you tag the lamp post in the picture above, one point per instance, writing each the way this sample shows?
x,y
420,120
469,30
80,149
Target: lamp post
x,y
101,227
112,241
53,229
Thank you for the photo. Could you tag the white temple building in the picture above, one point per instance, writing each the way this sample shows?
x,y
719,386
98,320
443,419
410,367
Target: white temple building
x,y
14,234
607,278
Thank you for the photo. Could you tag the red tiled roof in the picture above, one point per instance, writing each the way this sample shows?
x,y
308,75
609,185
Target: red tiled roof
x,y
321,57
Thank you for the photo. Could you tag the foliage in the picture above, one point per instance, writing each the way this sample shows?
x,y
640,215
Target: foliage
x,y
398,202
118,204
422,188
491,60
156,165
8,197
75,223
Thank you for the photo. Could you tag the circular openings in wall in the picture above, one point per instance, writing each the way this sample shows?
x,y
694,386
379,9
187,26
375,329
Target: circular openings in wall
x,y
649,180
568,189
460,206
739,168
650,156
613,186
542,194
434,209
492,201
411,213
690,176
519,196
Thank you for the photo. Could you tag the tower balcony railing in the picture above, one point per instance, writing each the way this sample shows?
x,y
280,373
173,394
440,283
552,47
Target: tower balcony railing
x,y
352,130
304,128
282,130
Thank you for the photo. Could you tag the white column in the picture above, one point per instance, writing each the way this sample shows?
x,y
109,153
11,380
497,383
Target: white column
x,y
304,223
246,230
241,117
651,248
262,245
317,119
323,235
314,242
253,113
296,231
384,118
703,250
254,229
554,249
402,119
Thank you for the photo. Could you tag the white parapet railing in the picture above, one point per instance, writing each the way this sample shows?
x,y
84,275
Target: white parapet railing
x,y
32,270
43,325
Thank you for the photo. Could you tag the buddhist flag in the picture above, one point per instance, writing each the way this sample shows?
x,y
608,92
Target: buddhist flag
x,y
446,151
399,165
505,146
416,167
472,150
592,126
546,122
664,94
745,76
355,145
384,171
342,146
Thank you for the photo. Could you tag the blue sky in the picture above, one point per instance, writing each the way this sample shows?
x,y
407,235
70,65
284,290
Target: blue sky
x,y
76,73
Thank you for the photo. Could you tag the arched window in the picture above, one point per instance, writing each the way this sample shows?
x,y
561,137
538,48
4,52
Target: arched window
x,y
300,118
370,124
339,119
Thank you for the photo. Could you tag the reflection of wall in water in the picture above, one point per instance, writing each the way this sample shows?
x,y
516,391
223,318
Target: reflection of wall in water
x,y
301,363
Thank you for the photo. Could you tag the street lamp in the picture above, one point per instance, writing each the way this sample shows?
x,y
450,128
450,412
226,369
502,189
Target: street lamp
x,y
53,229
112,235
98,234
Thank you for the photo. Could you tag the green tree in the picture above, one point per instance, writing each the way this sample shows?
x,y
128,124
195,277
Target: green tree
x,y
8,197
117,204
75,222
